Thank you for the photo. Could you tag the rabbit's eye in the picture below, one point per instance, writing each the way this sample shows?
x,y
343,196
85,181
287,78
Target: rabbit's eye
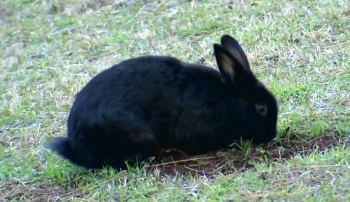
x,y
261,108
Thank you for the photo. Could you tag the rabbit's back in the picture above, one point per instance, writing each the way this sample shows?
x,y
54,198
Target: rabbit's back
x,y
152,86
177,101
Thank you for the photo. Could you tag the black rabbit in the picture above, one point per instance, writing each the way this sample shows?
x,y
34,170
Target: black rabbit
x,y
140,105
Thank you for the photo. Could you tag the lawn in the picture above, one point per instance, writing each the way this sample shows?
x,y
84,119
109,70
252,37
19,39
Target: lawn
x,y
299,49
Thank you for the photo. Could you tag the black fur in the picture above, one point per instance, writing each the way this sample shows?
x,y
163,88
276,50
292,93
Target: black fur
x,y
142,104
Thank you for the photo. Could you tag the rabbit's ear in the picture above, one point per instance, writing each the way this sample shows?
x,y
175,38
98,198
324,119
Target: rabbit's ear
x,y
229,66
232,45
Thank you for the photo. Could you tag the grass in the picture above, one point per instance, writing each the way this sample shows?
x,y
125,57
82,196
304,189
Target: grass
x,y
299,49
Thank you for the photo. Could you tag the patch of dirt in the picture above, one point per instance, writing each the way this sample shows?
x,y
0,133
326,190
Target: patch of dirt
x,y
212,163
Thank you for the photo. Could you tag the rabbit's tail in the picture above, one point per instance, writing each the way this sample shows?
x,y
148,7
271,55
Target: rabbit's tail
x,y
63,148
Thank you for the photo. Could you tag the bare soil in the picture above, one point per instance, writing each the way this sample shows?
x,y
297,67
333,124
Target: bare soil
x,y
212,163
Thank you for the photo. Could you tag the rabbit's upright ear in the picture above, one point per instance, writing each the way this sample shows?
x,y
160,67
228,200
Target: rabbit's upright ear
x,y
232,45
229,66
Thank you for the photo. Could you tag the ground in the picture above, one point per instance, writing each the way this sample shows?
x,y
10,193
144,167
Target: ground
x,y
299,49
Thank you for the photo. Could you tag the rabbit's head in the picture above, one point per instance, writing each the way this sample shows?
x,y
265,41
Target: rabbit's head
x,y
254,107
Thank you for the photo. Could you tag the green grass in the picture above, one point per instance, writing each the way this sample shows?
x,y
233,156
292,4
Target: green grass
x,y
50,49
